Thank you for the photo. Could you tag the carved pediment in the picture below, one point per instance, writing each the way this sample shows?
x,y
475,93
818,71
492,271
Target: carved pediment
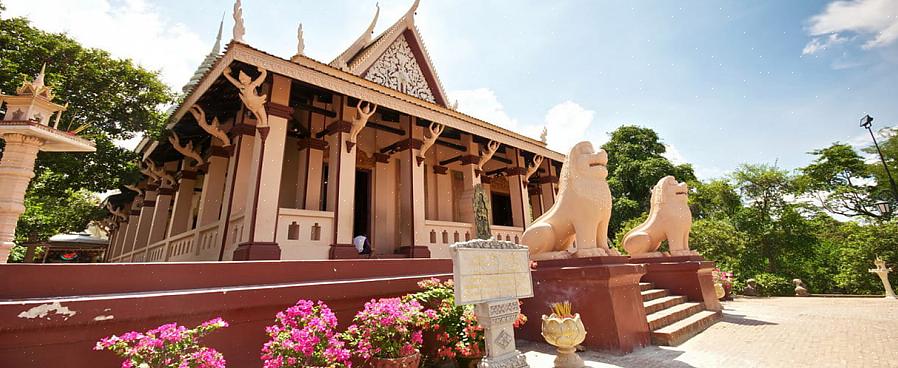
x,y
399,69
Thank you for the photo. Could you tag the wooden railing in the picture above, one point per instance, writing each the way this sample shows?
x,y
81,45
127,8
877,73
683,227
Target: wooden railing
x,y
304,234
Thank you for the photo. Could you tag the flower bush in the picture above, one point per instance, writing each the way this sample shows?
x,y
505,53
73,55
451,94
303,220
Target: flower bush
x,y
458,333
305,335
387,328
166,346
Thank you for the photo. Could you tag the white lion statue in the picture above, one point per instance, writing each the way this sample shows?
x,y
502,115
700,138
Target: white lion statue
x,y
581,211
669,219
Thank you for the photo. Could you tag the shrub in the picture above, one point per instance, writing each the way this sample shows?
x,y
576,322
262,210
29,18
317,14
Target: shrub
x,y
166,346
774,285
305,335
387,328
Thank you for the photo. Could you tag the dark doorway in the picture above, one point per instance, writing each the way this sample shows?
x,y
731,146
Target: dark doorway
x,y
501,209
361,218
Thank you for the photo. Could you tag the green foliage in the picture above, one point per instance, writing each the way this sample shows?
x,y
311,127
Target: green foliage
x,y
113,97
862,245
719,240
837,180
774,285
624,229
635,164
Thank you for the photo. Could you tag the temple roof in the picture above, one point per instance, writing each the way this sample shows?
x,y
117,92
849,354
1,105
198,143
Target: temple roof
x,y
396,59
207,62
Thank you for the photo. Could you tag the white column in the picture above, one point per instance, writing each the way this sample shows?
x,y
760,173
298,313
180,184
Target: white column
x,y
16,171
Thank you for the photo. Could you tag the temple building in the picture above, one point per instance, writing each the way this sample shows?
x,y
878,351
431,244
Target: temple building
x,y
272,158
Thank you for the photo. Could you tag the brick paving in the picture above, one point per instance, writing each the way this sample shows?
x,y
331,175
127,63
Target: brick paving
x,y
772,332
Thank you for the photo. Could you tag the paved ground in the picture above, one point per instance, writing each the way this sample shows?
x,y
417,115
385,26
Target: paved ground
x,y
772,332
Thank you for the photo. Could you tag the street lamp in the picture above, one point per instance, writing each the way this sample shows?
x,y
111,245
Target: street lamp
x,y
867,122
884,208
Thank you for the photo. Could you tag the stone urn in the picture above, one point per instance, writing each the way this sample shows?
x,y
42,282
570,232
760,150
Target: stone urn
x,y
565,333
719,291
408,361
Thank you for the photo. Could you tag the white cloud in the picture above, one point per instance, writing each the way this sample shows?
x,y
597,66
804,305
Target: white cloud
x,y
877,19
127,29
817,45
674,155
566,122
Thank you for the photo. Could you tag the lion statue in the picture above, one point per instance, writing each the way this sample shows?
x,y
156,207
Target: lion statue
x,y
669,219
581,211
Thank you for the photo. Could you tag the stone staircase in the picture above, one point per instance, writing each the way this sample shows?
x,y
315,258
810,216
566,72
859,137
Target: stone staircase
x,y
672,318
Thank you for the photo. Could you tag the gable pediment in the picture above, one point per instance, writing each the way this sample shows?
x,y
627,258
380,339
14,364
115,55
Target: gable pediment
x,y
398,68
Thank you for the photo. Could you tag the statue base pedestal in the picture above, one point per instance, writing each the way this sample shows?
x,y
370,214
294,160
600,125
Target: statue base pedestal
x,y
603,290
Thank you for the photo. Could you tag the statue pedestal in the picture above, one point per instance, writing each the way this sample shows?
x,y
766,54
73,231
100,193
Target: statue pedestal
x,y
603,290
689,276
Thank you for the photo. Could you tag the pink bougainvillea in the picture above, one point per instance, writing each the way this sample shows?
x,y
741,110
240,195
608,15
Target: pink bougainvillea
x,y
303,336
166,346
387,328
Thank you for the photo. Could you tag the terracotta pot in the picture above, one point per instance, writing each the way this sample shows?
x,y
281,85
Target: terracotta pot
x,y
409,361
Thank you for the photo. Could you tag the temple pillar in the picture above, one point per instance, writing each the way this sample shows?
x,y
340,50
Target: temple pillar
x,y
16,171
443,192
470,177
265,180
159,226
341,182
145,220
214,181
133,224
520,198
547,186
411,192
182,213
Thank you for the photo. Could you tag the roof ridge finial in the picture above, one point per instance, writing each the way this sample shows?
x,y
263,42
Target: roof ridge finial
x,y
300,43
39,78
239,30
413,9
217,47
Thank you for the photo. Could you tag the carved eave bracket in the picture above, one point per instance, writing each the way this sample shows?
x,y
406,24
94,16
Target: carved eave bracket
x,y
187,150
532,168
214,128
249,94
435,130
364,110
486,155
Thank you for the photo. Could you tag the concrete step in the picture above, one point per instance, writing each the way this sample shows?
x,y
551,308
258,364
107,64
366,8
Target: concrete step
x,y
680,331
673,314
654,294
655,305
643,286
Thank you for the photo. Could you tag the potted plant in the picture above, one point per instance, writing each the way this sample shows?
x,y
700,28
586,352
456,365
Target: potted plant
x,y
452,334
387,333
166,346
723,284
564,330
304,335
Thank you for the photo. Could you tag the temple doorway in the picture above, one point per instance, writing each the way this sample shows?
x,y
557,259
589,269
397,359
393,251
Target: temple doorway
x,y
361,218
501,209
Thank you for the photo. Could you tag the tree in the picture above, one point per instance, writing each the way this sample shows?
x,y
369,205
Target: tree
x,y
714,199
635,164
889,148
115,100
840,182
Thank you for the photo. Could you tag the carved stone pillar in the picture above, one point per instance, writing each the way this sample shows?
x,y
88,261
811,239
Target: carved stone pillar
x,y
411,192
214,182
520,198
145,220
16,171
265,180
182,213
133,223
341,183
470,177
159,226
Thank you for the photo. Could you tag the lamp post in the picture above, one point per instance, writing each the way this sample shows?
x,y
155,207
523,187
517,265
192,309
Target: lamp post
x,y
867,122
885,209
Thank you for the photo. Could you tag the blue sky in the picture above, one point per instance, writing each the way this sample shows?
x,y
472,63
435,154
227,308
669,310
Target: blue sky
x,y
722,82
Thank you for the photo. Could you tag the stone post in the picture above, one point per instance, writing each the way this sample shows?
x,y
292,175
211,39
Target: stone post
x,y
16,171
214,182
265,180
182,213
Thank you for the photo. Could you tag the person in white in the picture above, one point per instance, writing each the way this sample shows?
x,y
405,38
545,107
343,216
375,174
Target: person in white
x,y
361,244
